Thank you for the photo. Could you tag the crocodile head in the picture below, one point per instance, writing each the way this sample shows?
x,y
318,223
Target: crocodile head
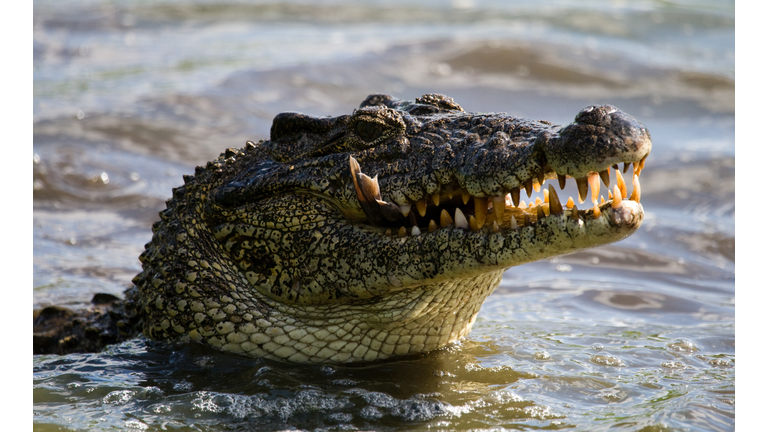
x,y
378,233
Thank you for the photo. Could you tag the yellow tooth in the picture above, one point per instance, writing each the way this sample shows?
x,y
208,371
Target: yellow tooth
x,y
596,211
465,196
536,185
445,219
522,204
432,226
498,207
540,178
415,231
583,185
642,164
405,209
528,185
538,201
575,213
530,204
402,232
545,208
570,203
594,185
481,209
554,201
460,219
473,223
610,195
527,220
546,195
626,167
540,213
389,232
421,207
436,198
561,180
635,189
605,176
495,227
602,200
515,196
621,184
513,222
616,200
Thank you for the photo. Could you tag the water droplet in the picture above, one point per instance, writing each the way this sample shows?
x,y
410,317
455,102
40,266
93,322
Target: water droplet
x,y
36,158
80,114
104,178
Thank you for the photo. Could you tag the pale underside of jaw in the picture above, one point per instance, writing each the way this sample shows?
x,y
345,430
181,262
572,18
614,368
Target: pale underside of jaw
x,y
457,208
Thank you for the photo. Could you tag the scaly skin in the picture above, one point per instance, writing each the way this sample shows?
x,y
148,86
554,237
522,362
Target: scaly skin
x,y
286,249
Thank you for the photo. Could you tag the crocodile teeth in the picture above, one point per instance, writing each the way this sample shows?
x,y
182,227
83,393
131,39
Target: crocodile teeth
x,y
537,185
541,178
461,220
594,185
508,200
622,185
436,199
546,195
513,222
616,200
605,176
473,223
389,232
402,232
561,180
575,213
636,189
498,207
432,226
540,213
570,203
445,219
538,201
583,185
596,211
515,196
495,227
522,204
481,209
528,184
527,220
626,167
554,202
421,207
415,231
465,196
405,209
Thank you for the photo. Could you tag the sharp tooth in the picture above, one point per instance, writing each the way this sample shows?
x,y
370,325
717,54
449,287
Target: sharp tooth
x,y
546,195
583,185
554,202
473,223
415,231
449,191
570,203
528,185
616,200
421,207
513,222
635,189
642,164
436,198
527,220
621,184
605,176
615,166
402,232
481,209
602,200
432,226
495,227
465,196
530,204
540,213
596,211
516,196
541,178
405,209
498,207
561,180
594,185
626,167
389,232
460,219
610,195
522,204
575,213
536,185
508,200
445,219
538,201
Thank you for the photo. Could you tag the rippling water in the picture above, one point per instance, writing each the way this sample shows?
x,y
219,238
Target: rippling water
x,y
639,335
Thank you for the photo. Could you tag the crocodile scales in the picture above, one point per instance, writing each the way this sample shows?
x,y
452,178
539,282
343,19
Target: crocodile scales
x,y
380,233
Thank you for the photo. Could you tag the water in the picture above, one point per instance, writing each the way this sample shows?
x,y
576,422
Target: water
x,y
639,335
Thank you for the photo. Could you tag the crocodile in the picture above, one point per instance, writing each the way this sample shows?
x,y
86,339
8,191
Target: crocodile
x,y
376,234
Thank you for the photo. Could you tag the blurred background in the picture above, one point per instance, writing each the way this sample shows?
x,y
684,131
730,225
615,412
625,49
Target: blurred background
x,y
131,95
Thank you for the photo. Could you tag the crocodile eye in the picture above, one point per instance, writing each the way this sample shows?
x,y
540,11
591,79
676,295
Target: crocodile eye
x,y
368,131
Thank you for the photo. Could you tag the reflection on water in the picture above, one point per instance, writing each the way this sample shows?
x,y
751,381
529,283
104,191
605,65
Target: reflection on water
x,y
639,335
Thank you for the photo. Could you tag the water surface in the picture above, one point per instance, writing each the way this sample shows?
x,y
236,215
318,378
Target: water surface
x,y
639,335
